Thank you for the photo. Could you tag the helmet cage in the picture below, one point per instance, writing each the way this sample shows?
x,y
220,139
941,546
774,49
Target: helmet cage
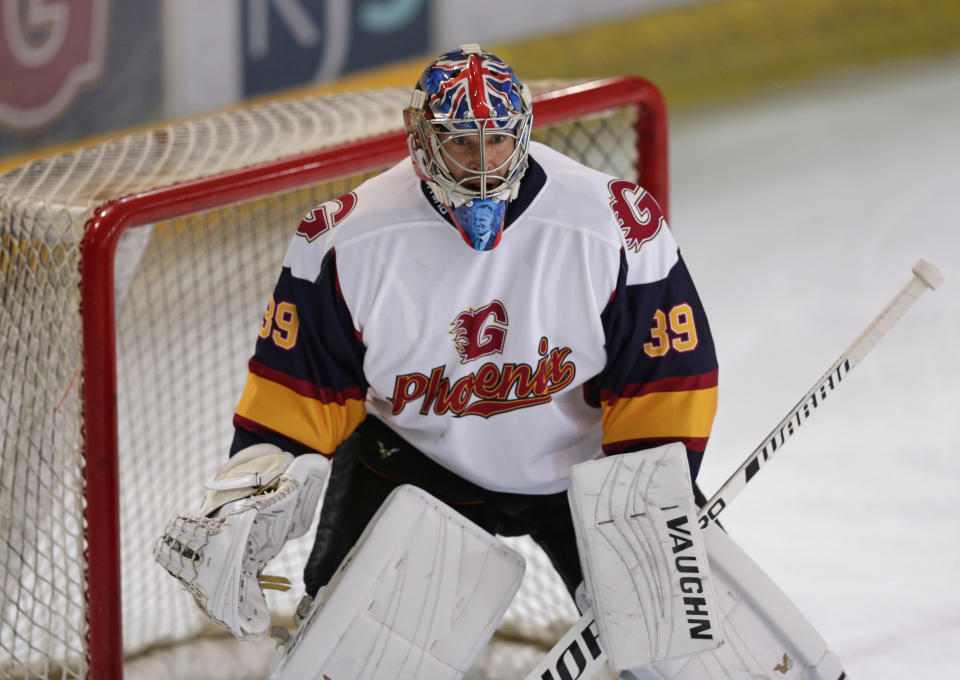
x,y
469,96
464,181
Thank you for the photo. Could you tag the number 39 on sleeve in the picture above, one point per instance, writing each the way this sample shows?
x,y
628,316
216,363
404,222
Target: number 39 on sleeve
x,y
674,330
280,323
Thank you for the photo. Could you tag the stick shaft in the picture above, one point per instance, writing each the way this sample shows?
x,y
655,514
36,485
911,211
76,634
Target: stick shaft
x,y
807,406
578,649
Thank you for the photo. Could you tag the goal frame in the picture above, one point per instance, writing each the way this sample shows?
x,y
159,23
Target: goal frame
x,y
111,219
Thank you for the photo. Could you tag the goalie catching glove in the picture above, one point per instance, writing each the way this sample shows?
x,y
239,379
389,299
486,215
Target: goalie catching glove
x,y
260,499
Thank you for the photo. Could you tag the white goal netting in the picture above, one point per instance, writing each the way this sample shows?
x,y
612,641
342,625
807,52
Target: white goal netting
x,y
190,285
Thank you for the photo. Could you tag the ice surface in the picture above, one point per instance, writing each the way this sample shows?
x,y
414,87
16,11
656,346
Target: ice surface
x,y
800,215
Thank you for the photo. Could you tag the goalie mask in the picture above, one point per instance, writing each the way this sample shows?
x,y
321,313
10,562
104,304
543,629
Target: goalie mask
x,y
468,129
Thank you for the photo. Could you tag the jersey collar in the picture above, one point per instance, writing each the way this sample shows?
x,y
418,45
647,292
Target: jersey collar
x,y
531,184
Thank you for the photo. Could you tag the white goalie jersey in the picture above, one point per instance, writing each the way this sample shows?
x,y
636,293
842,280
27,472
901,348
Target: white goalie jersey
x,y
580,332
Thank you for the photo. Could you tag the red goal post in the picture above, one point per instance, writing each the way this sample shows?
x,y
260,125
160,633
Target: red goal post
x,y
633,115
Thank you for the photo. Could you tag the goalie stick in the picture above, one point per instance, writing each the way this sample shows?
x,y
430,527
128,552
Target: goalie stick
x,y
578,653
925,275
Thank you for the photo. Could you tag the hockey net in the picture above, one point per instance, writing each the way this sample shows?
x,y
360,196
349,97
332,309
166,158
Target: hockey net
x,y
133,276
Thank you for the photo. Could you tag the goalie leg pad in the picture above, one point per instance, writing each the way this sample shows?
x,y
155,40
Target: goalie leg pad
x,y
259,500
643,557
766,635
417,598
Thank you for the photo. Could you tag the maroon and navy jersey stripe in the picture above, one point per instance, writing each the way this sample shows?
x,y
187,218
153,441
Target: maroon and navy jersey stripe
x,y
660,381
305,387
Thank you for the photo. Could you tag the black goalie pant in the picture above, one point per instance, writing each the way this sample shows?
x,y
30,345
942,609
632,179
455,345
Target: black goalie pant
x,y
374,460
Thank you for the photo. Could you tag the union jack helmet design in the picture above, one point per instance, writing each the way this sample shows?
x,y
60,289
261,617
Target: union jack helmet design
x,y
472,84
469,96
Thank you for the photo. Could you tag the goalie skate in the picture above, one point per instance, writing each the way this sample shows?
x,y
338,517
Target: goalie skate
x,y
219,558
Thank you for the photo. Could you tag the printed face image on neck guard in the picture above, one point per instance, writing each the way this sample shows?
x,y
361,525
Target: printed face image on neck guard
x,y
481,220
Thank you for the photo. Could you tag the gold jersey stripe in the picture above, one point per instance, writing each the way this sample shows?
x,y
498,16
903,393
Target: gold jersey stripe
x,y
320,426
660,414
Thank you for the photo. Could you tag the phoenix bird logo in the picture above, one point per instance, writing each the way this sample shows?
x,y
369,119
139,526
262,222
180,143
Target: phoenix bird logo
x,y
479,332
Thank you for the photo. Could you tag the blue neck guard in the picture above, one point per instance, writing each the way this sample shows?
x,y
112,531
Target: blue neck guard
x,y
481,221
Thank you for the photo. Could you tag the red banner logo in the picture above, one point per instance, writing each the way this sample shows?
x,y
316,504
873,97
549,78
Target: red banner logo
x,y
49,51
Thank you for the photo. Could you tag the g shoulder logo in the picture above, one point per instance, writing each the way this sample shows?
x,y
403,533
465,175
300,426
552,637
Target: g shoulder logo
x,y
326,216
637,212
480,332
